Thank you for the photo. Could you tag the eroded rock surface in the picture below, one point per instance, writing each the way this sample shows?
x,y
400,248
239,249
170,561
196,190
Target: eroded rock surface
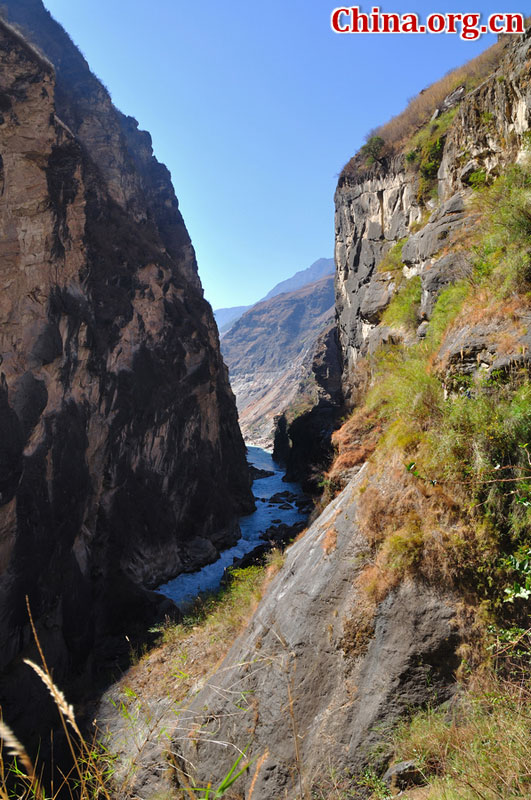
x,y
300,687
377,208
121,460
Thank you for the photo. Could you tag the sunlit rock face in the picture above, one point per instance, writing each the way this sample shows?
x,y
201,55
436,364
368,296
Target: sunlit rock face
x,y
121,460
378,207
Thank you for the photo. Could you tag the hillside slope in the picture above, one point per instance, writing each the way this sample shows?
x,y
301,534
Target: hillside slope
x,y
226,317
269,352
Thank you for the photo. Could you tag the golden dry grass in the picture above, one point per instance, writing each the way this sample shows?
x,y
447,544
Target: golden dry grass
x,y
398,131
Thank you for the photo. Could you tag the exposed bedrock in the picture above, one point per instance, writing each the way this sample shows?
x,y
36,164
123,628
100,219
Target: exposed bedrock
x,y
303,685
121,460
378,208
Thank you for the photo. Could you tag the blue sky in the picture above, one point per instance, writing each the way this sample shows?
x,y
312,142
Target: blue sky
x,y
255,107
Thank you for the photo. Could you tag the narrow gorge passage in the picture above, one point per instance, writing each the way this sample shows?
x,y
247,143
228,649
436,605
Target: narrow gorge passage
x,y
281,511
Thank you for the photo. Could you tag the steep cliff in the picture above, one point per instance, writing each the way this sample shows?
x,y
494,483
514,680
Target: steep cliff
x,y
381,211
121,460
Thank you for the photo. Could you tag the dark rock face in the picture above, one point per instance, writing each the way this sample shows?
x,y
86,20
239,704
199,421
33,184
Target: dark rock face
x,y
431,239
304,445
296,655
121,460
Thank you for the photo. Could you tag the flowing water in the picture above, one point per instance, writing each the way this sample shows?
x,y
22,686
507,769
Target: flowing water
x,y
186,587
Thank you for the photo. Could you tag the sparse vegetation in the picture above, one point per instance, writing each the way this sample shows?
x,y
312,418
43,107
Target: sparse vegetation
x,y
191,649
392,261
457,506
397,134
402,311
479,749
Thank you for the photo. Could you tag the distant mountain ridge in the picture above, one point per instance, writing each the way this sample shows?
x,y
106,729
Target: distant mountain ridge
x,y
226,317
270,351
319,269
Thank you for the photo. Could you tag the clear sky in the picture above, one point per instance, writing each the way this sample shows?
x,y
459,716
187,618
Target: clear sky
x,y
255,107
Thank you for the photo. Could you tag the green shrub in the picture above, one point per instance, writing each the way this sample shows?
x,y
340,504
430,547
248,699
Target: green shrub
x,y
448,305
478,179
392,261
504,253
402,311
372,150
431,158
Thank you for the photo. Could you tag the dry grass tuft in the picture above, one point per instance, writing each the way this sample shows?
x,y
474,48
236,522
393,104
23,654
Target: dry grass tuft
x,y
329,543
358,626
480,749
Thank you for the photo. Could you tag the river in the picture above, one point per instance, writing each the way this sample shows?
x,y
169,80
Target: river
x,y
186,587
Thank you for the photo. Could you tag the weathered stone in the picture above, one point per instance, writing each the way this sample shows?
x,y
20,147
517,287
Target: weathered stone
x,y
377,296
385,200
259,474
381,335
475,347
430,240
404,775
294,673
438,275
423,329
121,461
489,125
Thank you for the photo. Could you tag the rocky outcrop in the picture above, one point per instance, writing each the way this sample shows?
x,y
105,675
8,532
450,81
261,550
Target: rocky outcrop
x,y
302,686
270,351
303,441
371,216
493,346
378,207
489,130
121,461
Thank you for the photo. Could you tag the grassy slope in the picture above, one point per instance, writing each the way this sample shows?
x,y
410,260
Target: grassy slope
x,y
458,511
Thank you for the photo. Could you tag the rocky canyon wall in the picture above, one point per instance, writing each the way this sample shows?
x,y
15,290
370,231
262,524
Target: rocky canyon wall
x,y
377,207
121,459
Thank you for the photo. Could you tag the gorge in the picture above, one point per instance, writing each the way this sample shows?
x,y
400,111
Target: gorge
x,y
348,665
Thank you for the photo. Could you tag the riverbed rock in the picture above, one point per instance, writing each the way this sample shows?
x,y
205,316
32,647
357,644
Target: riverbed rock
x,y
257,474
